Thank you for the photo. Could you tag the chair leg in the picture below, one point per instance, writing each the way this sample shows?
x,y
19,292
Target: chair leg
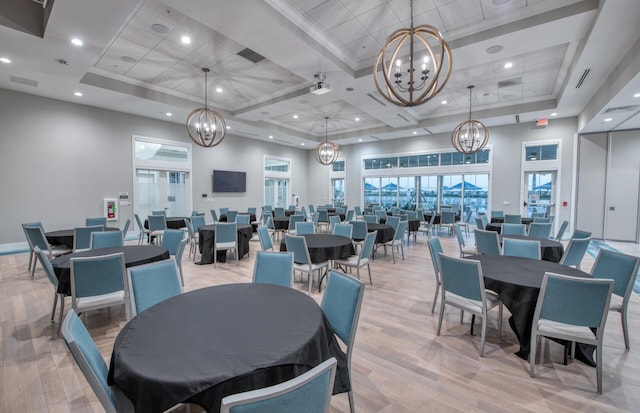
x,y
55,304
30,259
441,314
625,327
435,298
599,366
369,270
483,334
351,404
532,354
61,316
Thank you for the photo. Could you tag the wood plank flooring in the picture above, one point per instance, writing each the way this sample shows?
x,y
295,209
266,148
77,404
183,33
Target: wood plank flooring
x,y
399,364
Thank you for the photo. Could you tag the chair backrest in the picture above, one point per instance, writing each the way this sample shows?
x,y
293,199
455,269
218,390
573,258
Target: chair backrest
x,y
535,215
91,276
540,229
273,268
125,228
341,210
485,220
214,215
514,229
487,242
513,219
381,213
223,211
578,233
459,235
194,213
293,219
189,227
43,257
359,230
333,221
90,222
462,277
400,231
403,217
370,219
435,248
357,210
542,219
369,243
267,208
467,218
575,252
147,285
312,208
344,230
521,248
479,223
350,215
226,232
159,212
139,222
497,214
303,228
36,237
251,210
392,222
412,215
574,300
323,215
243,219
279,212
105,239
298,245
231,216
563,228
309,393
619,267
88,357
197,222
157,222
171,240
82,236
265,238
341,305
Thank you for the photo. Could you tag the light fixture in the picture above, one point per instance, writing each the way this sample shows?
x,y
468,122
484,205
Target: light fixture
x,y
508,65
418,79
185,39
77,41
205,126
5,60
471,135
327,152
78,94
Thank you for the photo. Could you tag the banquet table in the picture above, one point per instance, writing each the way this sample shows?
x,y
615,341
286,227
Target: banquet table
x,y
65,236
207,234
281,223
133,255
517,282
172,222
323,247
252,217
500,220
436,221
385,232
262,334
412,225
550,250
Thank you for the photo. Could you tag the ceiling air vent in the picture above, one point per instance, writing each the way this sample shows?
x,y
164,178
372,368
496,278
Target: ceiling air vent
x,y
582,78
510,82
402,117
376,99
622,109
250,55
517,118
23,81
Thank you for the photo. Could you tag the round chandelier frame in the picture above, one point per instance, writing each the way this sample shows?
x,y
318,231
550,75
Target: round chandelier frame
x,y
327,152
471,135
205,126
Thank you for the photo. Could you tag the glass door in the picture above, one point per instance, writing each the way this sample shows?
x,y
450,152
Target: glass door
x,y
276,192
540,193
163,190
337,189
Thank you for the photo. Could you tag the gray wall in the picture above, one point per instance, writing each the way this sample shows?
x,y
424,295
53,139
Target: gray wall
x,y
590,204
59,160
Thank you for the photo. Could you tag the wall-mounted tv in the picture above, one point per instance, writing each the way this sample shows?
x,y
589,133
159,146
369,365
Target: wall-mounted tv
x,y
229,181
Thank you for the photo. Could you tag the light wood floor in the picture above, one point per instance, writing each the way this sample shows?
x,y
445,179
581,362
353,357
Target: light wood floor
x,y
399,364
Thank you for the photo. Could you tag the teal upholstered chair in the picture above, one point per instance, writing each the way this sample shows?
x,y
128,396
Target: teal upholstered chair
x,y
302,261
514,229
487,242
82,237
90,222
521,248
435,248
105,239
362,259
265,238
575,251
149,284
225,238
273,268
36,238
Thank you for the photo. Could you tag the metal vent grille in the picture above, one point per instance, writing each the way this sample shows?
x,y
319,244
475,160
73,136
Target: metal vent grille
x,y
582,78
622,109
510,82
376,99
24,81
517,118
250,55
402,117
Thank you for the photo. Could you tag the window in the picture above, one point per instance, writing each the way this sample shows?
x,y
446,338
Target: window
x,y
338,166
277,177
541,152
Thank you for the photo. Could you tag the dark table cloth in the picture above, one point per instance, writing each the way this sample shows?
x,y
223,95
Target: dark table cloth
x,y
65,236
323,247
133,255
342,216
281,223
203,345
436,221
172,222
207,234
517,282
524,220
252,217
550,250
385,232
412,225
494,226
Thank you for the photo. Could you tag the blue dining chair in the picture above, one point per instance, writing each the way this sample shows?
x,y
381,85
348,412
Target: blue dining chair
x,y
578,233
82,237
521,248
231,216
225,238
341,305
561,231
574,309
90,222
293,220
303,228
149,284
302,260
487,242
362,259
53,279
243,219
513,219
540,230
161,212
265,238
343,230
214,215
462,245
370,219
223,211
273,268
36,237
157,225
514,229
175,242
142,230
497,214
309,393
435,248
31,246
125,228
279,212
105,239
574,252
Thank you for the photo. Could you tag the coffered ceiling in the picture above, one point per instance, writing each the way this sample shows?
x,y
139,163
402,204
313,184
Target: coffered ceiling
x,y
568,57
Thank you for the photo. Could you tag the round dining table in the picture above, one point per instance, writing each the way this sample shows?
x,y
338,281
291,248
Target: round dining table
x,y
134,255
500,220
324,247
550,250
385,232
65,236
172,222
177,352
517,282
207,235
281,223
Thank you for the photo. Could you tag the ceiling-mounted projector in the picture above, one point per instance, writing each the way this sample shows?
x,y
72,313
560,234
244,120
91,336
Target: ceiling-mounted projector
x,y
320,87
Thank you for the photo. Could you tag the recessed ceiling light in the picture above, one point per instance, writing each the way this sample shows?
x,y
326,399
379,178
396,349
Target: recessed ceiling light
x,y
494,49
608,119
359,139
5,60
637,95
159,28
185,39
169,114
219,89
302,144
357,119
270,136
78,94
349,89
444,102
554,114
508,65
295,116
415,132
77,41
228,127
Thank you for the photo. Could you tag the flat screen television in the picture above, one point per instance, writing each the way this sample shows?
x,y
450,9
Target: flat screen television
x,y
229,181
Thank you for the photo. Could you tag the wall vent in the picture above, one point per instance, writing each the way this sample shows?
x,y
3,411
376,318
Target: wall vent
x,y
403,118
582,78
622,109
376,99
24,81
510,82
250,55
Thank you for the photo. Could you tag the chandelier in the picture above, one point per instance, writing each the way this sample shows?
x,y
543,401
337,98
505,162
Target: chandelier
x,y
205,126
471,135
326,152
411,82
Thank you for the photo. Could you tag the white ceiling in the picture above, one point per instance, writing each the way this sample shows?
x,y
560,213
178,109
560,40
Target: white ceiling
x,y
133,60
